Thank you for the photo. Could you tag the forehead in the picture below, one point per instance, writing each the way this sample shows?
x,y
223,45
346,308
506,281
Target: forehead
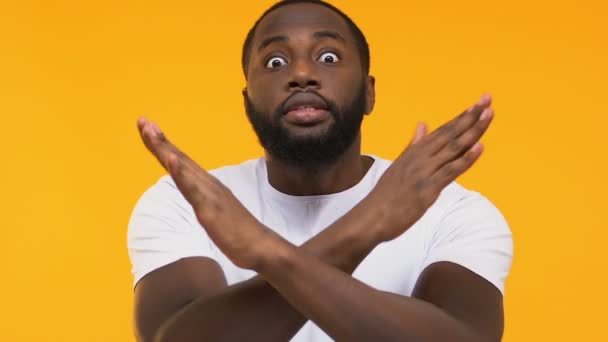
x,y
298,18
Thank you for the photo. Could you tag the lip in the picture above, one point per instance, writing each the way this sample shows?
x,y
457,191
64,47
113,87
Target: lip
x,y
302,100
306,117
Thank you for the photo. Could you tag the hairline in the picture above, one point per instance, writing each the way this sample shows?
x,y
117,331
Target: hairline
x,y
362,46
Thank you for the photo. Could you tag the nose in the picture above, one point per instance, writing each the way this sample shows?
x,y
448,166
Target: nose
x,y
303,75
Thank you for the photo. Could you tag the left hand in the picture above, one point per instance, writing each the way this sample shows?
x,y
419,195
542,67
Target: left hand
x,y
228,223
431,162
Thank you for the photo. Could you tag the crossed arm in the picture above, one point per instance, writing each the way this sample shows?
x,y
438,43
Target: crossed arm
x,y
191,301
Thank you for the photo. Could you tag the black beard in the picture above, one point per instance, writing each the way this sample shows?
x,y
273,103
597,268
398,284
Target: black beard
x,y
310,152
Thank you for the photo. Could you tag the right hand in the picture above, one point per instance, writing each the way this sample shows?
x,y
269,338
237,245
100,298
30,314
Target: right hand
x,y
431,162
233,229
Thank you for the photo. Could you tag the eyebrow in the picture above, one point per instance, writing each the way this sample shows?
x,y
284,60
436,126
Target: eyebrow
x,y
329,34
272,40
317,35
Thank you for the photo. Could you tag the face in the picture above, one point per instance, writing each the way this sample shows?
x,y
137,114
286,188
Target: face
x,y
306,89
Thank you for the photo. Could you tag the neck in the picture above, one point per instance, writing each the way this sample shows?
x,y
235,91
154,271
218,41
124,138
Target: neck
x,y
338,176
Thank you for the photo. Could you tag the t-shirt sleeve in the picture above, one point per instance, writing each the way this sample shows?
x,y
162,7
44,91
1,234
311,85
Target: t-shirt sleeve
x,y
164,229
474,234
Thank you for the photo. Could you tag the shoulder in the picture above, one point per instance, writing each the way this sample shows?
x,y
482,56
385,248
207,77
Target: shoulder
x,y
454,202
470,230
454,198
164,202
459,204
163,227
165,196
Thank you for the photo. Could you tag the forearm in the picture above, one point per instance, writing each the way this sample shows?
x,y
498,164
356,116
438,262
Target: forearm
x,y
239,311
348,310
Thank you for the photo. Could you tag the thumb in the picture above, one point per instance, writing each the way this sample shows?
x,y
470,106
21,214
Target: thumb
x,y
420,133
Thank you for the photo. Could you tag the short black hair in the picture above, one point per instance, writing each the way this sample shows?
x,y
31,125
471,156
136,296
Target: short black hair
x,y
362,45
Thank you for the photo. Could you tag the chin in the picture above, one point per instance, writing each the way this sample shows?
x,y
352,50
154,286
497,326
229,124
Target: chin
x,y
308,133
314,131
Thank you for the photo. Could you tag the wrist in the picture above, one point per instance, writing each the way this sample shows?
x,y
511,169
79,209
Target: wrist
x,y
268,250
375,215
272,254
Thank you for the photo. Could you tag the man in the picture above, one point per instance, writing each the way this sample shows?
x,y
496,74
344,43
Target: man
x,y
315,241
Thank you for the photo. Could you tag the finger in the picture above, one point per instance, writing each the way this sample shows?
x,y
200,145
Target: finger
x,y
450,171
484,101
186,171
198,187
421,131
187,181
457,147
152,137
195,184
457,126
159,145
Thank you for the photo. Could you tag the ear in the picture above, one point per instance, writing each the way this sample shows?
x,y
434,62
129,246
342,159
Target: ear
x,y
244,92
370,94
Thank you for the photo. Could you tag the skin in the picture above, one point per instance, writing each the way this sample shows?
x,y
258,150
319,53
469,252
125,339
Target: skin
x,y
268,88
189,300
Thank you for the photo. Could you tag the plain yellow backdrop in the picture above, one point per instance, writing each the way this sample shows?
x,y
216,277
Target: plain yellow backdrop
x,y
75,75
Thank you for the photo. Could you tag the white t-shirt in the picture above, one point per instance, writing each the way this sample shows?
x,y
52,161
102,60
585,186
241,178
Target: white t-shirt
x,y
461,226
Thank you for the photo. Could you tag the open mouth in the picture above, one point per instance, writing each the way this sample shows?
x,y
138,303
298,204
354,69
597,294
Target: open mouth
x,y
305,108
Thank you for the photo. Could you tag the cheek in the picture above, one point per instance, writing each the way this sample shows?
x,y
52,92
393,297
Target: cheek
x,y
342,87
265,92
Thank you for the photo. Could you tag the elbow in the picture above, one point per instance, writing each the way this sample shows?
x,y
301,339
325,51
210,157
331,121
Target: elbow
x,y
151,337
483,336
164,334
157,334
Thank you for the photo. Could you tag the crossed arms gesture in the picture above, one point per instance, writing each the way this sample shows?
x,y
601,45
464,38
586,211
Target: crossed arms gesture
x,y
189,300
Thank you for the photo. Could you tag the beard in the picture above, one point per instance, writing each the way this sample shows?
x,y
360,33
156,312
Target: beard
x,y
314,151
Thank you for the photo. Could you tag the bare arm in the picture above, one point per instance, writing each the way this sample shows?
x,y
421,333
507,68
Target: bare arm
x,y
211,311
294,272
349,310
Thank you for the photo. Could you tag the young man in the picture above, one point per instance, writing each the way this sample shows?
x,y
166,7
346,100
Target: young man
x,y
315,241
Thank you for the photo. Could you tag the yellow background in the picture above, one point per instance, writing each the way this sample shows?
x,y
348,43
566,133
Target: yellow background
x,y
75,75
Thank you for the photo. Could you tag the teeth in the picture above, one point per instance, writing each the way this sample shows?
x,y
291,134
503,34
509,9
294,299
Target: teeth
x,y
306,108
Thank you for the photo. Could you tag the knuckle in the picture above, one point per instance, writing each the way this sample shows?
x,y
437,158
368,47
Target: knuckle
x,y
455,145
469,158
162,138
477,130
454,130
447,130
415,170
192,188
421,185
420,204
449,171
410,169
441,139
410,152
466,141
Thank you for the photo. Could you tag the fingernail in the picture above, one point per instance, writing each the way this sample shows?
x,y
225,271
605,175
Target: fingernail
x,y
485,98
172,163
486,114
155,128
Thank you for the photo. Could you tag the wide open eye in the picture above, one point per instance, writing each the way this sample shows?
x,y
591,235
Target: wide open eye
x,y
329,57
276,62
